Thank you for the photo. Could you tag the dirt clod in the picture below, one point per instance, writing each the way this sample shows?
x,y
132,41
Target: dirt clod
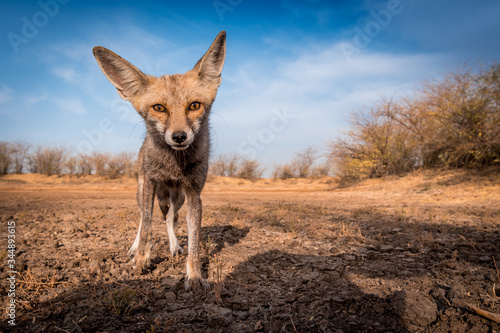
x,y
414,308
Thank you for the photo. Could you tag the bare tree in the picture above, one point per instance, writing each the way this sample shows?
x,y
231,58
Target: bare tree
x,y
283,171
452,121
218,166
319,170
5,157
303,161
48,160
375,144
71,165
232,164
129,161
250,169
225,165
20,151
100,163
115,167
463,111
84,164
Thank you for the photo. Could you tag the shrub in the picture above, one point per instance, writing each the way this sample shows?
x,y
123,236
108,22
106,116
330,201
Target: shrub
x,y
283,171
319,170
48,160
225,165
5,157
71,165
450,122
20,150
250,169
303,162
100,163
84,164
122,164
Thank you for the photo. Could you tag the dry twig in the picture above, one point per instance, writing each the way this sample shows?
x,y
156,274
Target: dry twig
x,y
498,274
293,324
486,314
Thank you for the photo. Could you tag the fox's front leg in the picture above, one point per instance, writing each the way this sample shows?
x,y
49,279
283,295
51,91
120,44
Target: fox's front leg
x,y
141,249
193,265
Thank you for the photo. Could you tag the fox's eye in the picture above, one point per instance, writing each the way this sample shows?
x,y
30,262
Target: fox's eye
x,y
194,106
159,108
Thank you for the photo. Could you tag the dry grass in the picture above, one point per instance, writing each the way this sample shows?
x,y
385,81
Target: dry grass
x,y
120,300
31,287
217,263
348,229
88,182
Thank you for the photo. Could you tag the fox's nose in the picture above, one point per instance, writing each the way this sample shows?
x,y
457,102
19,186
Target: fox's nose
x,y
179,137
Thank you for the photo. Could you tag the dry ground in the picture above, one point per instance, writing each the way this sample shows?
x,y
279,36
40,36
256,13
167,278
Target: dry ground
x,y
389,255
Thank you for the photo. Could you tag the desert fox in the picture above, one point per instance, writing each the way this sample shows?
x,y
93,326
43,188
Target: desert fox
x,y
173,160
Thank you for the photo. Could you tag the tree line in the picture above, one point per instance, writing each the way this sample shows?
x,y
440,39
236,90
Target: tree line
x,y
22,157
303,165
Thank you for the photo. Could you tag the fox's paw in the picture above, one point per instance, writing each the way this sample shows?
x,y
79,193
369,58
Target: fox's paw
x,y
132,251
175,251
140,262
194,281
196,284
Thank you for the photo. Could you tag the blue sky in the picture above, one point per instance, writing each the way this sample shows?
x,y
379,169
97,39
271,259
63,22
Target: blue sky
x,y
293,72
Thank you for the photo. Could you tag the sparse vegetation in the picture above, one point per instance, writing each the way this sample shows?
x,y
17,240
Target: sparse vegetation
x,y
217,264
283,171
303,165
249,169
225,165
303,161
20,156
84,164
20,151
100,163
233,165
5,157
48,160
450,122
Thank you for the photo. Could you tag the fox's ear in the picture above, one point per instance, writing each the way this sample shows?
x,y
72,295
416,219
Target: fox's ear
x,y
127,78
210,65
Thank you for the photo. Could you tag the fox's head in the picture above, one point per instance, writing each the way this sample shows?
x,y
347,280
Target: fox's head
x,y
173,106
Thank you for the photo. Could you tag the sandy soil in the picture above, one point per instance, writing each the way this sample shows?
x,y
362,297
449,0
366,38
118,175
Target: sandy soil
x,y
389,255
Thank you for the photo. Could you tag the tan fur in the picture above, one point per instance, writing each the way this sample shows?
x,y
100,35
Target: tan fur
x,y
173,160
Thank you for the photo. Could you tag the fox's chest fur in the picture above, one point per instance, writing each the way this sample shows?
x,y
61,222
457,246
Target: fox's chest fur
x,y
167,166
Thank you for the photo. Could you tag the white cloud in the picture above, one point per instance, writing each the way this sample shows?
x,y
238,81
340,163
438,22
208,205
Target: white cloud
x,y
319,86
37,98
69,105
6,94
66,73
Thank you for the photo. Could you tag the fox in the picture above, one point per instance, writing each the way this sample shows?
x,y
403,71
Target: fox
x,y
173,160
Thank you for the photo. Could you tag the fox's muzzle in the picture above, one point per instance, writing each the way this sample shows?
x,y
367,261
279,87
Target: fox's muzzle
x,y
179,140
